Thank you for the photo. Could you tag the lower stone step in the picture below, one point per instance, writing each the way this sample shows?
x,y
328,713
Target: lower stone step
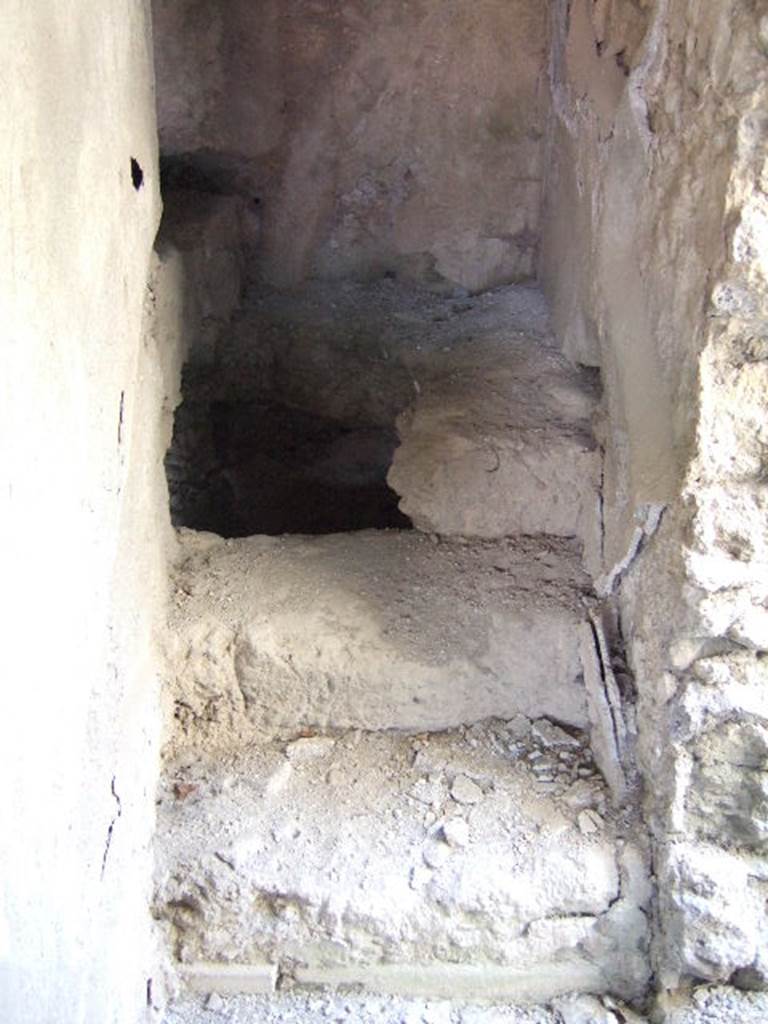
x,y
356,1008
376,630
484,862
703,1005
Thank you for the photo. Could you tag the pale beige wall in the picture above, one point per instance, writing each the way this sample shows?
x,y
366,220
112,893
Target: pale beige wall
x,y
599,263
379,136
640,154
83,509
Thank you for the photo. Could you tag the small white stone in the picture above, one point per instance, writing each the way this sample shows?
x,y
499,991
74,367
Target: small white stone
x,y
279,779
583,1010
420,876
427,792
456,832
465,791
436,854
518,727
214,1003
285,834
308,748
581,795
437,1013
552,735
589,822
413,1015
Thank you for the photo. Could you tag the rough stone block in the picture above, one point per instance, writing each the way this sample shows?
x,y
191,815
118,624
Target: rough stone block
x,y
728,800
501,445
231,979
462,981
712,903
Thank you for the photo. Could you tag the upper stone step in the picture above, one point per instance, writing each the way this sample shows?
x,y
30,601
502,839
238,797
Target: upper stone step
x,y
500,442
301,395
372,630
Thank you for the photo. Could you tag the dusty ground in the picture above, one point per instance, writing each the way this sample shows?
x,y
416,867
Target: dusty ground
x,y
360,352
721,1005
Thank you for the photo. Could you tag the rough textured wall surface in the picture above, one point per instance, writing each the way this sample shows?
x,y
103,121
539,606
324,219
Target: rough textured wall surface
x,y
84,510
378,136
658,156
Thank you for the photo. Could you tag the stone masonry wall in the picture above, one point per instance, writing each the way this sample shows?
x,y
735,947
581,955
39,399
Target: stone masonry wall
x,y
658,158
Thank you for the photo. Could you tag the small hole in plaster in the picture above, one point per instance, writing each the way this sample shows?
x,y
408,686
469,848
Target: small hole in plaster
x,y
137,175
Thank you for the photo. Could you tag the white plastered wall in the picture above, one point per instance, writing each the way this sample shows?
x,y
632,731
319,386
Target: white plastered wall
x,y
86,397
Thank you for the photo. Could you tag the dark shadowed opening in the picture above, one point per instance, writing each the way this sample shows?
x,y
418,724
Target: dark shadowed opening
x,y
239,468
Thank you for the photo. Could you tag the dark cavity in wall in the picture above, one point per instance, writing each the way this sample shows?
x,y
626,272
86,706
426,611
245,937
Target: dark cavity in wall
x,y
239,468
206,171
288,413
137,174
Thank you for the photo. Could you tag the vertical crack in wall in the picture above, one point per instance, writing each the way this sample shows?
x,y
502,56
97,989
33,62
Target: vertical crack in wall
x,y
601,505
121,419
609,732
610,689
118,814
649,517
